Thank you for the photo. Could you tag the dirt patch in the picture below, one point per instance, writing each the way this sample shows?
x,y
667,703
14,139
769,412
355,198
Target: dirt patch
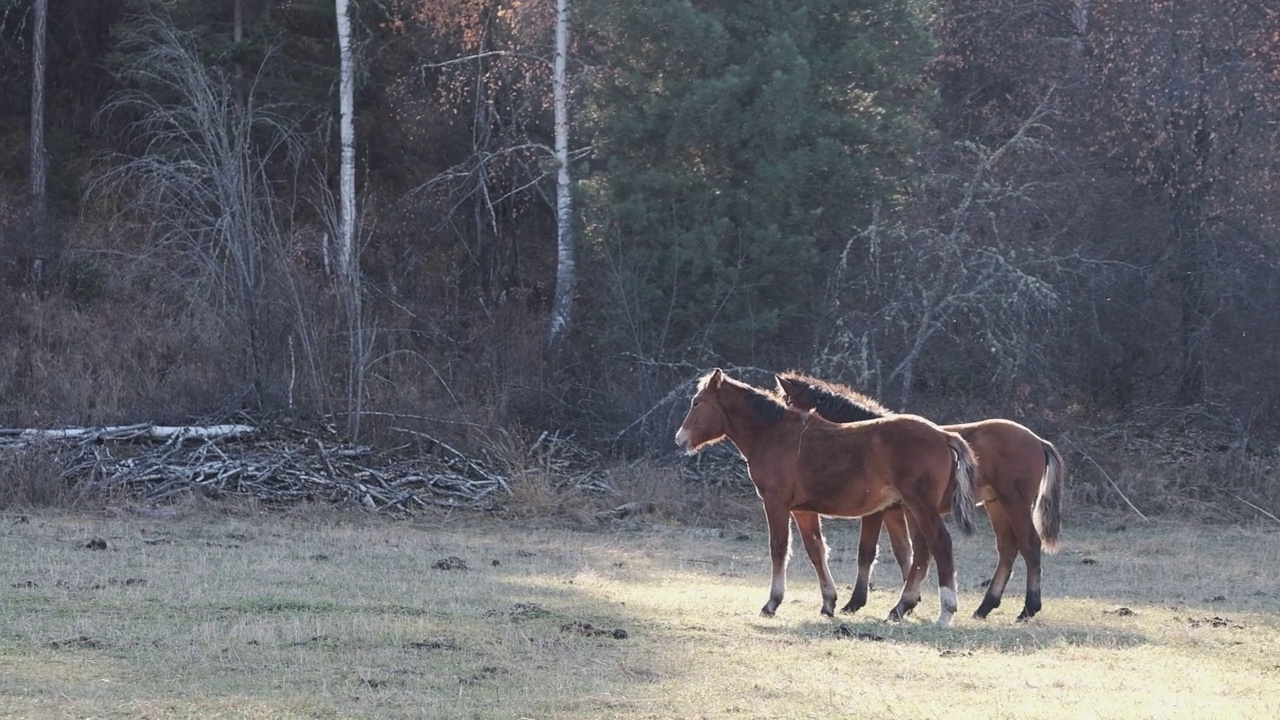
x,y
432,644
80,641
1215,622
520,611
450,563
586,629
485,673
845,631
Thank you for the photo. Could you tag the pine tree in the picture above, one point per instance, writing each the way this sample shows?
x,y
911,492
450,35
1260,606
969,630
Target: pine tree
x,y
744,143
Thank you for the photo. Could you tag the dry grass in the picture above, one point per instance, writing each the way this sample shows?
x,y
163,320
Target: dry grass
x,y
32,477
322,615
1173,472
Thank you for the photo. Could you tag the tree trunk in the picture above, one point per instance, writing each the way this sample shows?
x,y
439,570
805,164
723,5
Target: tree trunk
x,y
237,35
1190,186
39,163
348,265
347,169
1188,238
566,270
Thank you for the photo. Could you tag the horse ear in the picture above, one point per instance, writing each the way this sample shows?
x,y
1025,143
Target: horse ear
x,y
716,377
784,385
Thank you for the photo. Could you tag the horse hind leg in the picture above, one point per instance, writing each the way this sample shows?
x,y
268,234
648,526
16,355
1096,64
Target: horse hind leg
x,y
1029,545
868,542
943,553
919,570
1006,550
931,538
899,539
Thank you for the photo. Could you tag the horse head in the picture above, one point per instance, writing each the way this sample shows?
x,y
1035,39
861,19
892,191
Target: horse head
x,y
796,394
705,422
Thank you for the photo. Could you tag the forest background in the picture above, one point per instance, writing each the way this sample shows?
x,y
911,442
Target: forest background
x,y
1062,212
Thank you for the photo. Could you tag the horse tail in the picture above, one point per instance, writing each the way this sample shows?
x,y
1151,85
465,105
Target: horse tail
x,y
1047,514
963,476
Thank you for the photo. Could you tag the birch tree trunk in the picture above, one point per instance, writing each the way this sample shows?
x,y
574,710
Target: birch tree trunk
x,y
39,163
348,265
566,269
347,170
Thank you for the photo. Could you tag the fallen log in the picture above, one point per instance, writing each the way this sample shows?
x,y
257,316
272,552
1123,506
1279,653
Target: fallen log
x,y
130,432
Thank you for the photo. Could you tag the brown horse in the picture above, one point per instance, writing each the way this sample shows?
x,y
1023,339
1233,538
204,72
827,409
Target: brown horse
x,y
1020,479
805,467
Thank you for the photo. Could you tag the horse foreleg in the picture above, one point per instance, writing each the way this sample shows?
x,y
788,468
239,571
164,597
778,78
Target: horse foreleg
x,y
868,542
779,521
810,527
1007,552
914,579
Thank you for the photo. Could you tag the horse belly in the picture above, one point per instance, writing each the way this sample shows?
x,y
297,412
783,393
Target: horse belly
x,y
850,503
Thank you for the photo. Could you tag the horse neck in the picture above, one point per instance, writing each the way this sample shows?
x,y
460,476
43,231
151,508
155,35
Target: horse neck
x,y
838,408
752,434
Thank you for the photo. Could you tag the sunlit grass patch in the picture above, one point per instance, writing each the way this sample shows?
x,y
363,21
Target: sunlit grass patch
x,y
275,617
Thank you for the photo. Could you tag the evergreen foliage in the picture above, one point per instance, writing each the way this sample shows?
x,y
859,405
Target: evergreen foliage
x,y
743,144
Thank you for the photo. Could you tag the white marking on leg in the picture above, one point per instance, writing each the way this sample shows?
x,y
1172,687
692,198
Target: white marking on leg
x,y
779,587
828,583
947,598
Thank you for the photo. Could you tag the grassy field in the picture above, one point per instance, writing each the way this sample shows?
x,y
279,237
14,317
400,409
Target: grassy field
x,y
328,616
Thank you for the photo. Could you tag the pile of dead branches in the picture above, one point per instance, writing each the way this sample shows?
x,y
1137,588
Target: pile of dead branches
x,y
159,464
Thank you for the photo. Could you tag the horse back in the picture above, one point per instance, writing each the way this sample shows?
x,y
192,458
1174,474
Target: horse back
x,y
1011,459
855,469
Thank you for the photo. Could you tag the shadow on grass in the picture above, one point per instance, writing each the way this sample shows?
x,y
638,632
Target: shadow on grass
x,y
1014,640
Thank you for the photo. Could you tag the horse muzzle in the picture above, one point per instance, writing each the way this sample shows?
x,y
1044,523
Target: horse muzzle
x,y
683,440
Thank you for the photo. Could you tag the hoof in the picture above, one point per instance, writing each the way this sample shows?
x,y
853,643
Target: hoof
x,y
829,605
767,611
988,604
849,608
901,610
1031,606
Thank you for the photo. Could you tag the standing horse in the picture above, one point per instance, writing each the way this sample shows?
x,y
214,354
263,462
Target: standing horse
x,y
805,467
1020,479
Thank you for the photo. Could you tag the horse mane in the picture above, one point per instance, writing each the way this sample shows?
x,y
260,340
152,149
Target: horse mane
x,y
766,407
836,402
